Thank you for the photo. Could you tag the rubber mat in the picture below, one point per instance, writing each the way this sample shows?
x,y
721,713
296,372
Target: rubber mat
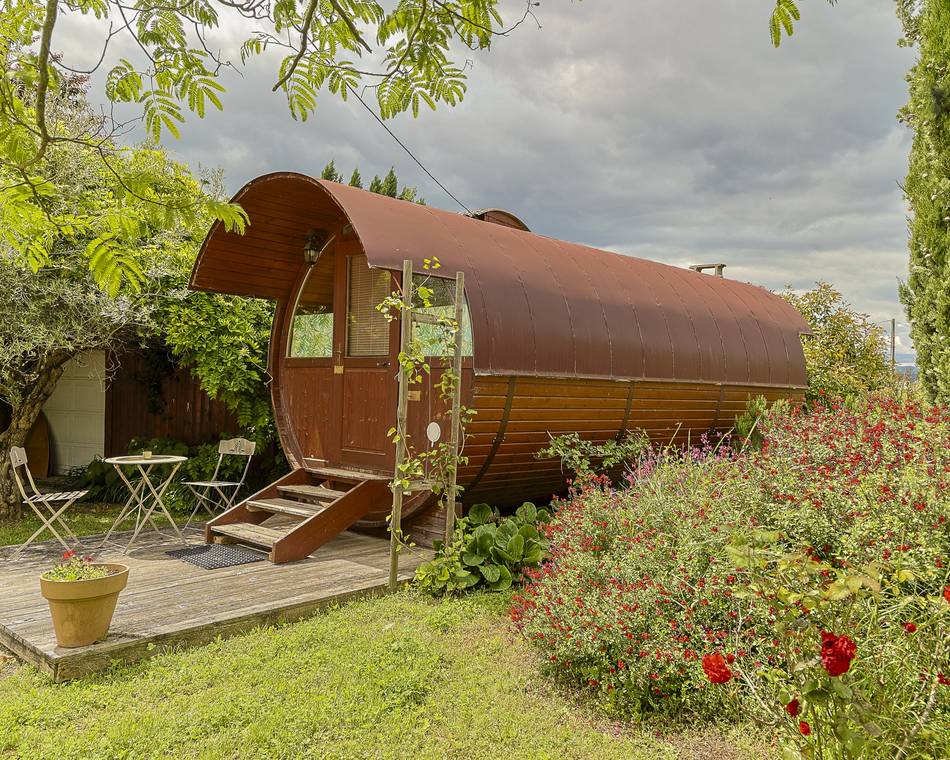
x,y
216,556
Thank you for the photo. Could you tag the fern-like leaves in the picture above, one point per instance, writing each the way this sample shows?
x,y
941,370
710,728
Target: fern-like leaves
x,y
783,17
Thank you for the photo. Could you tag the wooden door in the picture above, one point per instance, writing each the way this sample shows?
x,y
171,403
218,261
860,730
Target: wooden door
x,y
367,378
306,406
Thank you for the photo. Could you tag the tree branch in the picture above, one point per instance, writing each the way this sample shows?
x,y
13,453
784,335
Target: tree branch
x,y
42,85
304,37
350,25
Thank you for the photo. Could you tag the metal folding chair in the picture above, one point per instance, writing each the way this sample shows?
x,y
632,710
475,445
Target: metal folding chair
x,y
220,494
49,507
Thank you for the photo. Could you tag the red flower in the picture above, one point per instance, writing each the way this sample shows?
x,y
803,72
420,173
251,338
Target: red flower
x,y
910,627
72,553
804,728
943,680
946,593
715,668
836,653
793,708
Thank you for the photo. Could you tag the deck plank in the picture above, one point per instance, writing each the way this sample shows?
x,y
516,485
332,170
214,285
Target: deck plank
x,y
169,603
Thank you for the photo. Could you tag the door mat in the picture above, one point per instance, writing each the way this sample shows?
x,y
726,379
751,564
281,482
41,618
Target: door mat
x,y
216,556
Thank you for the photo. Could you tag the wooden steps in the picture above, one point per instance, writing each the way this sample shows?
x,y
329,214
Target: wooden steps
x,y
336,473
317,505
285,507
320,493
248,533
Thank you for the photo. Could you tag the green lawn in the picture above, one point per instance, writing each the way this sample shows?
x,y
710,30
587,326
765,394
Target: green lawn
x,y
85,519
394,677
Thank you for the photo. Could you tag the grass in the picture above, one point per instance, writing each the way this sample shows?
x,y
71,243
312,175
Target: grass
x,y
393,677
86,519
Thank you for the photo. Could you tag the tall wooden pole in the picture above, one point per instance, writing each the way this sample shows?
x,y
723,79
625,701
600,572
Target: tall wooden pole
x,y
402,407
451,489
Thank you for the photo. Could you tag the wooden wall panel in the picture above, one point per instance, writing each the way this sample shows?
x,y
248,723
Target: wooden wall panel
x,y
503,439
179,409
308,395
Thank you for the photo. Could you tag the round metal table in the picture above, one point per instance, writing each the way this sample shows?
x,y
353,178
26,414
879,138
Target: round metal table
x,y
145,496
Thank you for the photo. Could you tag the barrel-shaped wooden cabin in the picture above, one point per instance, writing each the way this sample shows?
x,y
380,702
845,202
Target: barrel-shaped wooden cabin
x,y
559,338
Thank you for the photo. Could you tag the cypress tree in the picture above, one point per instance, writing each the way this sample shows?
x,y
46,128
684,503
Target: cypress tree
x,y
330,173
926,293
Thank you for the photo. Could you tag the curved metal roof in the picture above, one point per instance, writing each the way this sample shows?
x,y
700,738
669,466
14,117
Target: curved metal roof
x,y
539,306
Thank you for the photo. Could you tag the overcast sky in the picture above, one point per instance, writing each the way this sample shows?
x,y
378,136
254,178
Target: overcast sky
x,y
669,129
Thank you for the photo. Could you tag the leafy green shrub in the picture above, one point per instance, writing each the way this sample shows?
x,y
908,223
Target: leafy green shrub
x,y
489,550
805,584
845,354
583,457
748,427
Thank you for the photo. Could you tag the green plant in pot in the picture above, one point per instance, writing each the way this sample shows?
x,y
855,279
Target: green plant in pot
x,y
82,595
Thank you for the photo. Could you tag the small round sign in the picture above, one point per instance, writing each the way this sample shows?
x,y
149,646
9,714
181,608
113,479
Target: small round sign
x,y
433,432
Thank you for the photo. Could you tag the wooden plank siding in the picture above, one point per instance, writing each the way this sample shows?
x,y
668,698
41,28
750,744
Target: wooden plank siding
x,y
185,412
504,437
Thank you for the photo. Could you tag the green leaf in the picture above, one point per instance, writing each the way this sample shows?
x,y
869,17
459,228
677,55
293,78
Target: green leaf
x,y
515,547
480,514
472,559
527,512
533,553
485,536
490,573
840,688
818,696
504,580
529,532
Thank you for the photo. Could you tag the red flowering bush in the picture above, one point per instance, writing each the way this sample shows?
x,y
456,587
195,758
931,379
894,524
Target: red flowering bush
x,y
805,583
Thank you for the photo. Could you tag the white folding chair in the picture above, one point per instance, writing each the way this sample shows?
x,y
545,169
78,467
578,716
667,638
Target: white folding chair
x,y
49,507
220,494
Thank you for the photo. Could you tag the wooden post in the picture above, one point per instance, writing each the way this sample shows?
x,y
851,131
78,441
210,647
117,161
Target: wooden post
x,y
893,344
451,489
402,408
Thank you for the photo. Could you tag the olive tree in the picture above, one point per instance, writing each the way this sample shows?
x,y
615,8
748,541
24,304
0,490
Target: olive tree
x,y
53,313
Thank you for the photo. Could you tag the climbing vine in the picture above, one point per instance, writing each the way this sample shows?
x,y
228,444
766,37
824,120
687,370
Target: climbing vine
x,y
435,467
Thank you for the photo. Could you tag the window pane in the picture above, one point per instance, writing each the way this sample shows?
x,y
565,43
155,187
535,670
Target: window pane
x,y
434,340
312,329
367,330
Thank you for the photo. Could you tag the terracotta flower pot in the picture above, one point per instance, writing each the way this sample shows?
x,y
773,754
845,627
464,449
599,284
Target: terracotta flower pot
x,y
82,610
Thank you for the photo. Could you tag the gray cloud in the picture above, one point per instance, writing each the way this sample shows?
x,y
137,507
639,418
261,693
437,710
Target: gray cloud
x,y
669,130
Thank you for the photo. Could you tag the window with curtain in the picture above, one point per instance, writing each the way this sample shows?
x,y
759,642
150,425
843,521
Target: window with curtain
x,y
367,331
441,304
311,334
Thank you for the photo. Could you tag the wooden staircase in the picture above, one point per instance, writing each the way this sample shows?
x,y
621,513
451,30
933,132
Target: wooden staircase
x,y
297,514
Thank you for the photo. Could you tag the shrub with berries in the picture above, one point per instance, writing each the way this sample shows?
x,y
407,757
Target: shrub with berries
x,y
804,584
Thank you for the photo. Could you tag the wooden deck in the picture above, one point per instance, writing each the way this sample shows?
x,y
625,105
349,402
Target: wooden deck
x,y
170,603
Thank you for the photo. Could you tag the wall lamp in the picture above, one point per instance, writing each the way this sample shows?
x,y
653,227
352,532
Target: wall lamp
x,y
317,243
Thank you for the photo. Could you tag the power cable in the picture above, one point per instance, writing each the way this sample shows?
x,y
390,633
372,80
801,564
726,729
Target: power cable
x,y
403,146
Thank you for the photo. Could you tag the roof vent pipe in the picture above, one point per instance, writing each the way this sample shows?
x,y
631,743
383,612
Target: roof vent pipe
x,y
701,267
